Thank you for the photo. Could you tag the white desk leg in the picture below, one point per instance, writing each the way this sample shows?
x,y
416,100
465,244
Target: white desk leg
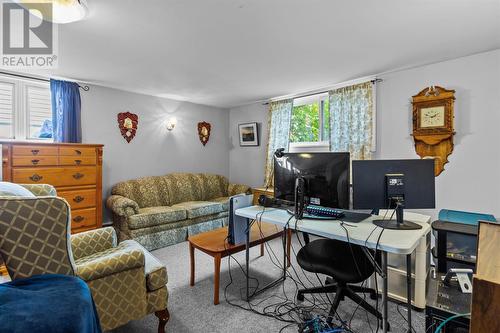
x,y
384,292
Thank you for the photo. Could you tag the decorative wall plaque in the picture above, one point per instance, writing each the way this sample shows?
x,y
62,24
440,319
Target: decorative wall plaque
x,y
127,122
433,125
204,132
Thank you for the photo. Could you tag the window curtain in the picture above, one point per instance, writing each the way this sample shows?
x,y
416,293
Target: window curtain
x,y
280,113
352,118
66,107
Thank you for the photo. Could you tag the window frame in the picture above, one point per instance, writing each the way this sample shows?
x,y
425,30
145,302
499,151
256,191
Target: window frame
x,y
20,112
323,144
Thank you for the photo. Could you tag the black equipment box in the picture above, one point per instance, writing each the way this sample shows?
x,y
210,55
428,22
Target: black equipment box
x,y
442,303
456,245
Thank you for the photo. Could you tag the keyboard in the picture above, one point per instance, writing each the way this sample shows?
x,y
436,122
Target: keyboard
x,y
323,212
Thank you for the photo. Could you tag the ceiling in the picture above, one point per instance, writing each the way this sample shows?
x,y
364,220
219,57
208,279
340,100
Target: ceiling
x,y
232,52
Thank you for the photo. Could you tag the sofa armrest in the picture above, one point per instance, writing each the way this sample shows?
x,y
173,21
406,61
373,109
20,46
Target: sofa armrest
x,y
113,261
234,189
90,242
122,206
41,190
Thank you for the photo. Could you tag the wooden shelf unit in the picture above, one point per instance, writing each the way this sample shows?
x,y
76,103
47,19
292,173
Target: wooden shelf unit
x,y
75,170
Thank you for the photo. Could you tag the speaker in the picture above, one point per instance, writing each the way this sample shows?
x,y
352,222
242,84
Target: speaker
x,y
266,201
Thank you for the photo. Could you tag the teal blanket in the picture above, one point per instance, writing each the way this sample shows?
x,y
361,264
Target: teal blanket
x,y
48,303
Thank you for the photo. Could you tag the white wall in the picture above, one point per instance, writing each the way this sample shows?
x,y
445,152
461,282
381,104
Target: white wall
x,y
471,180
247,163
154,150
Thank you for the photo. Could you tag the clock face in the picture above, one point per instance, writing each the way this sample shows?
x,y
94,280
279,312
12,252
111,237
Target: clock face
x,y
432,117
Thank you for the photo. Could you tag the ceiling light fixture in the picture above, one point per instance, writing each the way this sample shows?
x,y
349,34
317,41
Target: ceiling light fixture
x,y
63,11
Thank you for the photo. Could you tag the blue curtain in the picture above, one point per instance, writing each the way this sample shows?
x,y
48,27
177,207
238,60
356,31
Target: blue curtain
x,y
66,107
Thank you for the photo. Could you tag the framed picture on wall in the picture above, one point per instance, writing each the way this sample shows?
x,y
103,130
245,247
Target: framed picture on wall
x,y
249,134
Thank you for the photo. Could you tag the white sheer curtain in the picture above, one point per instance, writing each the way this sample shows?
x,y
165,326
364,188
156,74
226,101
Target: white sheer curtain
x,y
280,113
352,115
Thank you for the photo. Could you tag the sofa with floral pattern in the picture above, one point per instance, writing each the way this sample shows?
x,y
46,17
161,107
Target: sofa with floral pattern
x,y
163,210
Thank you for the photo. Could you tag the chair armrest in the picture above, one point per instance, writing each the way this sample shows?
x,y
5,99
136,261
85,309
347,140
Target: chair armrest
x,y
122,206
116,260
234,189
90,242
41,190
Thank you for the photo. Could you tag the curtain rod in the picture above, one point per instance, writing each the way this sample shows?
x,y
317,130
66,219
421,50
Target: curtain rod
x,y
317,93
85,87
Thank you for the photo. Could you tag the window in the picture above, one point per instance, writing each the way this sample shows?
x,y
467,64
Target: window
x,y
310,124
25,109
39,112
6,110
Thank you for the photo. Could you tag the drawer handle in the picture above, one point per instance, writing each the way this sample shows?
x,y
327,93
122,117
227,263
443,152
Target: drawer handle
x,y
35,162
36,177
78,175
78,152
78,219
35,151
78,162
78,198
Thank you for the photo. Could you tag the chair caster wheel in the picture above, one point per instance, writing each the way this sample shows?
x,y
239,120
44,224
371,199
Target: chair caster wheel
x,y
373,296
300,297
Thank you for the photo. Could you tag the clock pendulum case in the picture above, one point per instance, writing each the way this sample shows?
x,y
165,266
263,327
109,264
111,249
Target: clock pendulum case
x,y
433,129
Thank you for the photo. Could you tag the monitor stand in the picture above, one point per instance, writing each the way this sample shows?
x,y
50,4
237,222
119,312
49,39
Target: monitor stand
x,y
300,198
398,223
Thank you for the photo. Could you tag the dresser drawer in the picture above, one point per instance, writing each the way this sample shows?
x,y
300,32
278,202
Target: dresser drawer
x,y
81,218
76,151
61,176
34,150
79,198
34,160
77,160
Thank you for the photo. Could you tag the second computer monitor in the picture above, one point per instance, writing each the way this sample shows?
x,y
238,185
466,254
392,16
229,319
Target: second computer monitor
x,y
326,176
371,180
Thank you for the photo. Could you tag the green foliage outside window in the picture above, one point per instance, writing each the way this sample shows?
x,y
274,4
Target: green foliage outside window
x,y
305,123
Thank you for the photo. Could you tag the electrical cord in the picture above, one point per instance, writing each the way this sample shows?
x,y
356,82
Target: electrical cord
x,y
286,307
321,283
283,308
402,316
441,326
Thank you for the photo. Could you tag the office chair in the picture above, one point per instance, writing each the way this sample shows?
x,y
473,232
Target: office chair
x,y
346,264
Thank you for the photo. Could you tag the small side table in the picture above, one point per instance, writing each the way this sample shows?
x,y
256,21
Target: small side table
x,y
214,243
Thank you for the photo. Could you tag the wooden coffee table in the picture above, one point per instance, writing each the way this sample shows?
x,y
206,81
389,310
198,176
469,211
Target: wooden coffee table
x,y
214,243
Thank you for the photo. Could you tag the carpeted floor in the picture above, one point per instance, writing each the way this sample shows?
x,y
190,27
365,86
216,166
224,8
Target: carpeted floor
x,y
192,309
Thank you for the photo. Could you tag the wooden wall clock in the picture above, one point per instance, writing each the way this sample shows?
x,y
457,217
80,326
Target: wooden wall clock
x,y
433,124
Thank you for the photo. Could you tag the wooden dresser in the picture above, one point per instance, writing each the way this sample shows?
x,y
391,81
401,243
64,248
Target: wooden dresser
x,y
75,170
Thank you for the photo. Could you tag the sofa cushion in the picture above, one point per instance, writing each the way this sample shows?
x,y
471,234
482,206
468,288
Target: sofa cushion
x,y
151,216
184,187
146,191
199,208
224,201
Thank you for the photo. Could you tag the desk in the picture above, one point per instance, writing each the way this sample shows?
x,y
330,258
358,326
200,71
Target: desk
x,y
392,241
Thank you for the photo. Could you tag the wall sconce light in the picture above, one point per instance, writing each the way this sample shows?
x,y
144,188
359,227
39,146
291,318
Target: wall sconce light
x,y
171,123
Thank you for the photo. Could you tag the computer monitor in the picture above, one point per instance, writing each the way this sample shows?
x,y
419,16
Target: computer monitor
x,y
325,176
394,184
